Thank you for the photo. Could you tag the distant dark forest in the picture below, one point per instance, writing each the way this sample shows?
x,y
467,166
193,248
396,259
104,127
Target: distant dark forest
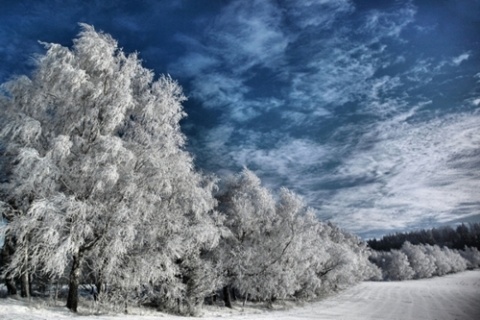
x,y
453,238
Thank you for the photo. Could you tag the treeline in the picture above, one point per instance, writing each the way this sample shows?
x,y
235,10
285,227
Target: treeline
x,y
424,261
464,235
265,250
426,253
98,190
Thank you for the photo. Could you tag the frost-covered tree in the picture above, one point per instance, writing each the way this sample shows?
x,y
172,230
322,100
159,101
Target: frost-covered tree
x,y
259,251
422,264
345,260
455,260
394,265
275,247
423,261
249,211
472,256
446,261
98,170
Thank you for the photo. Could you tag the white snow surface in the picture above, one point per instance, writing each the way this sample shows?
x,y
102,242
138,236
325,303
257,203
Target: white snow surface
x,y
455,296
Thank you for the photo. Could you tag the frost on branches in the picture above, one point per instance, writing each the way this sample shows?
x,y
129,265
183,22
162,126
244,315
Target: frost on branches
x,y
277,249
424,261
97,174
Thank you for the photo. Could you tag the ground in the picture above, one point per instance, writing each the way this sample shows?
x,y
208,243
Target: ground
x,y
450,297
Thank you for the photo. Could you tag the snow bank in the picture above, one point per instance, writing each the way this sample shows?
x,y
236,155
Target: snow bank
x,y
455,296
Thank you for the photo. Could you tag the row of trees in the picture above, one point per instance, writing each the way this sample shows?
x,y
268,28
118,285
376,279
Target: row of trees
x,y
279,249
464,235
424,261
98,188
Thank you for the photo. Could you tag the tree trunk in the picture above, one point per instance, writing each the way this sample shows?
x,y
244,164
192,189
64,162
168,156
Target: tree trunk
x,y
74,282
30,284
24,277
245,300
56,293
226,297
11,287
25,285
5,259
99,286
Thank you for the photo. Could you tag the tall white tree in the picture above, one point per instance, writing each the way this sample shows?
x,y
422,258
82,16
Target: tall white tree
x,y
249,211
99,172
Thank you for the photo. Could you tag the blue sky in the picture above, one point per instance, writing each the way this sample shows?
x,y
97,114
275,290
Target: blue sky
x,y
369,109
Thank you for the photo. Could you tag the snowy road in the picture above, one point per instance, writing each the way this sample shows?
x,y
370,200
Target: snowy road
x,y
450,297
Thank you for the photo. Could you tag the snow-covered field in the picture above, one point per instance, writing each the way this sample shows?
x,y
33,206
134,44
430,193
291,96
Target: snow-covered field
x,y
450,297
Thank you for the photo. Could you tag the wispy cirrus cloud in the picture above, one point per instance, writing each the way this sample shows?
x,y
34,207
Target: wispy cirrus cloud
x,y
253,45
343,67
320,14
388,24
351,124
412,171
245,37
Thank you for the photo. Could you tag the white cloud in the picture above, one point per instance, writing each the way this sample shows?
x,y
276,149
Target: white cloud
x,y
248,34
289,156
329,72
320,14
291,162
342,68
417,169
393,173
459,59
194,64
388,24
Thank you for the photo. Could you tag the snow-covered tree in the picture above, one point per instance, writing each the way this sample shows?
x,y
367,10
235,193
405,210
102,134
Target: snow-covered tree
x,y
277,248
98,170
422,264
423,261
472,256
346,259
441,258
455,260
249,211
394,265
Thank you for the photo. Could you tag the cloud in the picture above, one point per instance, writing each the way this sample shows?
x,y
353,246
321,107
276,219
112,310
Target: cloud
x,y
411,171
330,75
388,24
245,43
342,67
288,158
248,39
248,34
319,14
459,59
193,64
